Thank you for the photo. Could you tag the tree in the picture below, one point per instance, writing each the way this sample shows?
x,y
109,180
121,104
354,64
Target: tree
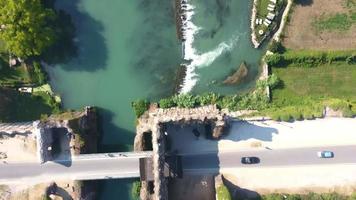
x,y
26,27
140,107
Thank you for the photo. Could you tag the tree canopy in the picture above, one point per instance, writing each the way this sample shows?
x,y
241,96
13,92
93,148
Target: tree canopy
x,y
26,27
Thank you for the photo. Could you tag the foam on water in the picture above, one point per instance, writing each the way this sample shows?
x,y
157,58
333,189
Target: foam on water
x,y
198,60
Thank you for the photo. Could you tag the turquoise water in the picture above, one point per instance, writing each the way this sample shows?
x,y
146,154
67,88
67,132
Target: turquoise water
x,y
129,50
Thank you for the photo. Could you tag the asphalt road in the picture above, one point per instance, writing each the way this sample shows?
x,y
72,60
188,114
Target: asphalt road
x,y
128,166
83,169
213,162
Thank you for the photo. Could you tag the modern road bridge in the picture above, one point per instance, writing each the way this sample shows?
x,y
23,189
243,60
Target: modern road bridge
x,y
81,167
126,165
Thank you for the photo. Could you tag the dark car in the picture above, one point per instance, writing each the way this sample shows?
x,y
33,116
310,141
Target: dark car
x,y
250,160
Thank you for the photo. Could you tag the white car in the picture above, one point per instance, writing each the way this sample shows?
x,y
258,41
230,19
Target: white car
x,y
325,154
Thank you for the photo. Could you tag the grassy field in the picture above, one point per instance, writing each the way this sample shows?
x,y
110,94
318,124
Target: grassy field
x,y
304,92
332,81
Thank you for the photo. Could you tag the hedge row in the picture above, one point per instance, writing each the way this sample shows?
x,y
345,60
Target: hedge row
x,y
310,58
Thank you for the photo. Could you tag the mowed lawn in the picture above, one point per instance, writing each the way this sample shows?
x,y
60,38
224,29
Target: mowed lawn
x,y
330,81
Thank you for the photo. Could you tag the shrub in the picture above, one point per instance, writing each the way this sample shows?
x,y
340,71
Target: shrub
x,y
135,190
140,107
208,99
38,72
273,197
185,101
166,103
273,81
275,60
223,193
297,115
351,59
286,117
276,47
229,102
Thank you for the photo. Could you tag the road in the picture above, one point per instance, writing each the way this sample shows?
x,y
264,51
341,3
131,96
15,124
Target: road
x,y
213,163
80,168
118,166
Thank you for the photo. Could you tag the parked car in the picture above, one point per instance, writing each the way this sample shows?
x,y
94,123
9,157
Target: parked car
x,y
325,154
250,160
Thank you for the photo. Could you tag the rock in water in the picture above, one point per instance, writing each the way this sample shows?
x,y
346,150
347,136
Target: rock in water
x,y
238,76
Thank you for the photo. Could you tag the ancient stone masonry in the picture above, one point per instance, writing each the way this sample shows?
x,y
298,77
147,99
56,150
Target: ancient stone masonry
x,y
154,122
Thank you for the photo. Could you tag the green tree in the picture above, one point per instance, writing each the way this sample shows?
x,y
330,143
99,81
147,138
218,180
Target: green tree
x,y
140,107
26,27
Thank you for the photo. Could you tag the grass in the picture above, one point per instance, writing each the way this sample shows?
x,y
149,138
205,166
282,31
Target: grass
x,y
14,76
223,193
304,92
16,106
338,22
24,75
261,8
335,81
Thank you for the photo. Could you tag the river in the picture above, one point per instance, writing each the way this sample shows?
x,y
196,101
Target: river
x,y
128,50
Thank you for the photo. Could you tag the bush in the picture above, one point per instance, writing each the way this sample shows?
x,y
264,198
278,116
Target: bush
x,y
273,81
351,59
166,103
286,117
229,102
140,107
135,190
276,47
185,101
223,193
273,197
39,75
207,99
275,60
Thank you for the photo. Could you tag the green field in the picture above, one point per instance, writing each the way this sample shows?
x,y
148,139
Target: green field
x,y
331,81
304,92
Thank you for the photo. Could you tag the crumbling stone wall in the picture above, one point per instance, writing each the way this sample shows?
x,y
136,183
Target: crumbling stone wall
x,y
154,121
